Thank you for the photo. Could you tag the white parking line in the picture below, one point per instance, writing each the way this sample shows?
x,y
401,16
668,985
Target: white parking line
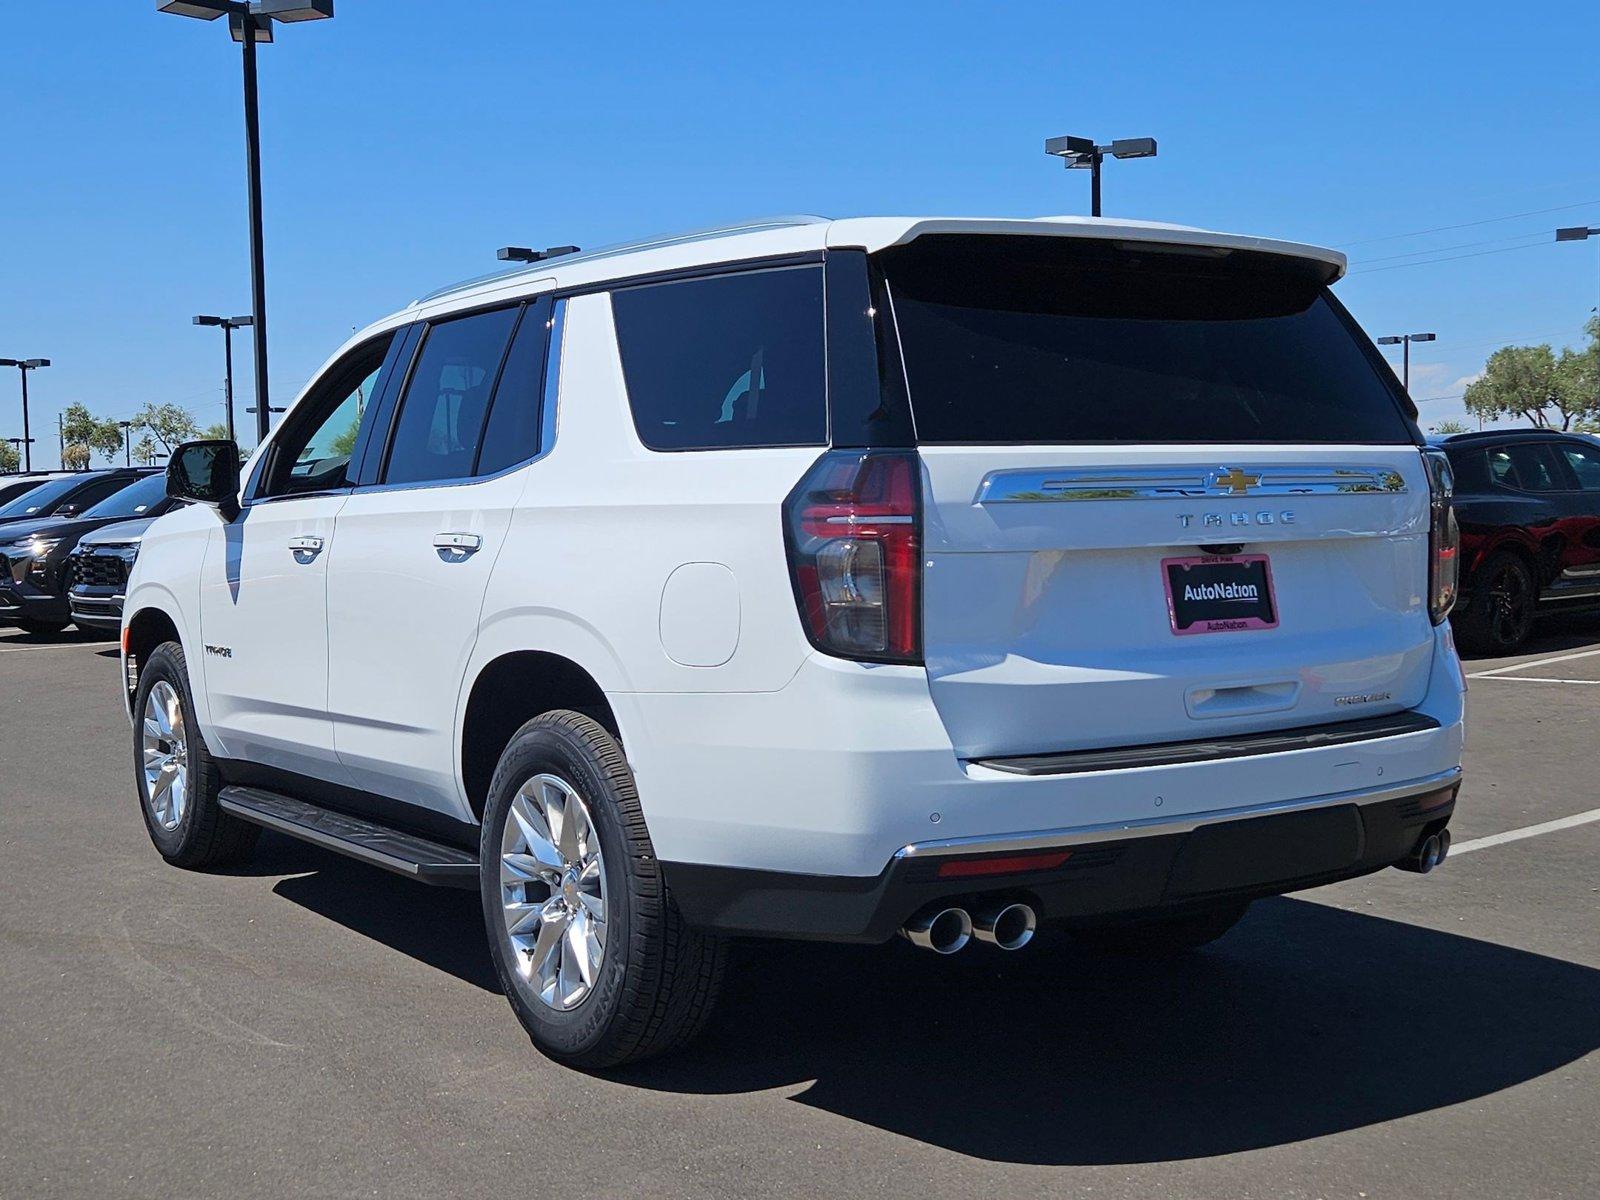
x,y
1533,679
1516,835
58,646
1538,662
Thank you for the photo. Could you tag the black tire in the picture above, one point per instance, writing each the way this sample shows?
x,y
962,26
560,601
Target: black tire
x,y
1163,935
43,628
1499,614
657,980
204,835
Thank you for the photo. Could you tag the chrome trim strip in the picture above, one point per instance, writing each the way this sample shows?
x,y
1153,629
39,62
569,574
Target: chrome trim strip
x,y
1160,483
1159,826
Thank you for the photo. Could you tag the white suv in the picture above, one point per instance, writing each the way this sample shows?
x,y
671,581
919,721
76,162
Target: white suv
x,y
820,579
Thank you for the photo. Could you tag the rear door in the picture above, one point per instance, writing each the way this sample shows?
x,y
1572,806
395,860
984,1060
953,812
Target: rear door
x,y
1168,496
416,543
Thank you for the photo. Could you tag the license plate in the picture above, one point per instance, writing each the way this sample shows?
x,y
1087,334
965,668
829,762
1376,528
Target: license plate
x,y
1219,593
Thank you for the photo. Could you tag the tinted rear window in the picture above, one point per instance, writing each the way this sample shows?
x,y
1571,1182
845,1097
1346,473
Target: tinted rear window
x,y
1058,340
730,361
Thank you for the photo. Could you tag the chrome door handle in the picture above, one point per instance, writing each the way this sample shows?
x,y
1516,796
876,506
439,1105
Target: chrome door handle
x,y
305,548
453,547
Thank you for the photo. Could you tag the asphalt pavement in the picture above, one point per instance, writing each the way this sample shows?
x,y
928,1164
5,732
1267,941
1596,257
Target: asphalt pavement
x,y
308,1026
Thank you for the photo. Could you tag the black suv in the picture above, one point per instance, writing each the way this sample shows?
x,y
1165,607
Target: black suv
x,y
1528,501
34,550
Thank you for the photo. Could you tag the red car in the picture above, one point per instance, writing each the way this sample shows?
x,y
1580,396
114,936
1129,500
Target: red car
x,y
1528,502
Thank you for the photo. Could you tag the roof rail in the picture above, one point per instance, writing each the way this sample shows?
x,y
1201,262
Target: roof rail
x,y
652,243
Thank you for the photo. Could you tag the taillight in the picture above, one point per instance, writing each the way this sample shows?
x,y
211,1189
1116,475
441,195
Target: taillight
x,y
1444,536
854,533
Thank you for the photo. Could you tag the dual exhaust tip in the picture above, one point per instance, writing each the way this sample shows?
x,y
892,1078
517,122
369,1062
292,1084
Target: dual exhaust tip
x,y
1427,854
1007,925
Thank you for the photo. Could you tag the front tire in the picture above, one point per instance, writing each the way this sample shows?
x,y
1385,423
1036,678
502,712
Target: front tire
x,y
1159,936
593,956
178,780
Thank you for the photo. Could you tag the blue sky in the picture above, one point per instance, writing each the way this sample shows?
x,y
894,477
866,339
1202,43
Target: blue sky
x,y
404,141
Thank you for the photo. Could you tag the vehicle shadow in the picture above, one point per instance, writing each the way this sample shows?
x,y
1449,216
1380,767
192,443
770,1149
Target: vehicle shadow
x,y
1307,1020
1551,635
441,927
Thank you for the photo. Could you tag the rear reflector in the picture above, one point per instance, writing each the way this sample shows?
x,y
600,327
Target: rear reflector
x,y
966,868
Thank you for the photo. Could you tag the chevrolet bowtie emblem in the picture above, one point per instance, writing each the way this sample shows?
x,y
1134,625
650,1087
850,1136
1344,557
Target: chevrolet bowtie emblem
x,y
1237,482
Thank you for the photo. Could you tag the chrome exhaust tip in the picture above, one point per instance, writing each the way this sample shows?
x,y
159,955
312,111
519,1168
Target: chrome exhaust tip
x,y
942,930
1428,854
1009,926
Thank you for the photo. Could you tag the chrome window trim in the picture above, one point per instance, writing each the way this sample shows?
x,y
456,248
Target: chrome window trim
x,y
1034,486
1160,826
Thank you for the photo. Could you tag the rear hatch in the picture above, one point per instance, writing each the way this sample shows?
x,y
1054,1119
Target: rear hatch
x,y
1179,476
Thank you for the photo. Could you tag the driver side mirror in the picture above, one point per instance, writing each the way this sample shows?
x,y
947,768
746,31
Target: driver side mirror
x,y
206,472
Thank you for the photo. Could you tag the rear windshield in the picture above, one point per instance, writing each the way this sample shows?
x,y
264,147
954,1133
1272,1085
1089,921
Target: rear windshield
x,y
1054,340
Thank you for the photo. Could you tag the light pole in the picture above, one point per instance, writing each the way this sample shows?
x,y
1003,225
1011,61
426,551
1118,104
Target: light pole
x,y
127,433
1580,233
227,325
1404,341
25,365
1079,153
250,21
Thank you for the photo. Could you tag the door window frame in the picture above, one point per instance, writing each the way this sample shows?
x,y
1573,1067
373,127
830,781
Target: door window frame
x,y
549,306
333,384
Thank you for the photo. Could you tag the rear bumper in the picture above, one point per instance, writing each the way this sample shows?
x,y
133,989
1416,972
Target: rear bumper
x,y
1108,871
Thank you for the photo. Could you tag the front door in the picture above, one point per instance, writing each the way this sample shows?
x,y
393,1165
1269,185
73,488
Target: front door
x,y
263,587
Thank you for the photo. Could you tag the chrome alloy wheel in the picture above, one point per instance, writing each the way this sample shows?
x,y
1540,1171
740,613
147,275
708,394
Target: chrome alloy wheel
x,y
553,892
166,756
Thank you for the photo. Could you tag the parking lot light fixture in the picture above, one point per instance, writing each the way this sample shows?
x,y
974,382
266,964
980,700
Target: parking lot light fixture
x,y
1080,153
227,325
249,22
24,365
1404,341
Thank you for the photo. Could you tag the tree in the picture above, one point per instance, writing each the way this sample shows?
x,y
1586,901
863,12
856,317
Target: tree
x,y
1450,426
144,451
75,456
1551,392
167,423
83,432
10,460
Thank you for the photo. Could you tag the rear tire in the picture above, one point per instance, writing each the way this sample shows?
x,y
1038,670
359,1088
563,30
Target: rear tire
x,y
1163,935
1499,615
591,952
177,778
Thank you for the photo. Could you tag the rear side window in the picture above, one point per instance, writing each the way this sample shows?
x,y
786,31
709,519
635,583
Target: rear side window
x,y
512,433
727,362
1526,466
1067,340
442,412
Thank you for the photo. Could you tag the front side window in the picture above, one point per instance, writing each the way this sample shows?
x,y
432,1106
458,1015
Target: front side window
x,y
313,453
442,413
726,362
1585,464
1053,340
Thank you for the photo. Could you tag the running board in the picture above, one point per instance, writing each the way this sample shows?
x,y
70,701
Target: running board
x,y
403,853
